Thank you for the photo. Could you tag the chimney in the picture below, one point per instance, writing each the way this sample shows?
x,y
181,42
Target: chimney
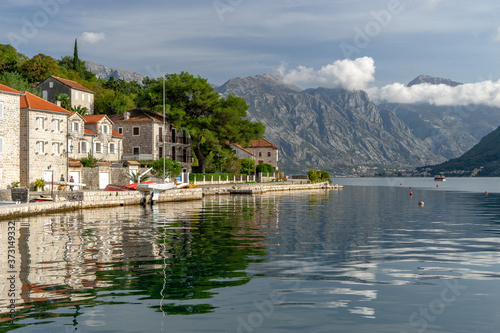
x,y
58,103
125,115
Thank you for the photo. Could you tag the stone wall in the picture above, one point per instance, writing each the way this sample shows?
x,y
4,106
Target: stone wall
x,y
36,164
9,135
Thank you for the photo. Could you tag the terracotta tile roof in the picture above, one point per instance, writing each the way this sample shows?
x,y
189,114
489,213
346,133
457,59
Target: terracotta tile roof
x,y
74,163
139,115
246,150
30,101
87,131
94,118
5,88
115,133
262,143
102,163
72,84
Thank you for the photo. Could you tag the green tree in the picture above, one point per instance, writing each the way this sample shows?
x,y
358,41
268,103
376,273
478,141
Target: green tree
x,y
247,166
313,175
81,110
10,59
325,175
172,168
16,81
65,101
39,68
211,120
112,102
265,168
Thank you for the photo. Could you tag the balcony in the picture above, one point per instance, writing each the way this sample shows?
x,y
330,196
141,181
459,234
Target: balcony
x,y
176,139
181,158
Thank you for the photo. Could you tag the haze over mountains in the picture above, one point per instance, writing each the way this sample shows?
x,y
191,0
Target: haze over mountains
x,y
336,129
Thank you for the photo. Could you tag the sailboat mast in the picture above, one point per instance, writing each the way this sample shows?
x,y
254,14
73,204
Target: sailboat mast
x,y
164,129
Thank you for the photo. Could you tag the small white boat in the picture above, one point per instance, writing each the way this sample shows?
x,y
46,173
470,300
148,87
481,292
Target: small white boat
x,y
155,188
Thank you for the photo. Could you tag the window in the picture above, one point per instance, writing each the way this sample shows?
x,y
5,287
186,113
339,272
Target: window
x,y
84,147
1,144
51,85
83,97
75,126
120,130
40,122
98,147
105,129
260,154
135,131
45,95
70,147
41,147
1,109
136,150
268,154
76,95
89,97
111,148
57,125
55,148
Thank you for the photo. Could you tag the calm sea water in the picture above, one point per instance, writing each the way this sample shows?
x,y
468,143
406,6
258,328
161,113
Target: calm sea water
x,y
366,258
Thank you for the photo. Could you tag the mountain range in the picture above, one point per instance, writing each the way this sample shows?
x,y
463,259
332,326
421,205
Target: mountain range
x,y
338,130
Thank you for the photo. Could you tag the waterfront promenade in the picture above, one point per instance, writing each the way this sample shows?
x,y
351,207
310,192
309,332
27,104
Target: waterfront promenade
x,y
99,199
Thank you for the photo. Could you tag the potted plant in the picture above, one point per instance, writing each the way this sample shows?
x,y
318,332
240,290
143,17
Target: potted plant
x,y
39,184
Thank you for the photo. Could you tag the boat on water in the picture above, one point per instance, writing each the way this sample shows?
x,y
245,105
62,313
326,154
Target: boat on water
x,y
440,178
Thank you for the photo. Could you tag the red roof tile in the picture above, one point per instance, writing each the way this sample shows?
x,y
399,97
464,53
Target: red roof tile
x,y
72,84
262,143
30,101
87,131
117,134
5,88
94,118
242,148
74,163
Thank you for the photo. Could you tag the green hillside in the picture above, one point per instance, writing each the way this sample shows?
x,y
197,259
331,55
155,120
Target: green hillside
x,y
483,159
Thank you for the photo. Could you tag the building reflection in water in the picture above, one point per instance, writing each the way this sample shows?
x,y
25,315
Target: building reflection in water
x,y
65,259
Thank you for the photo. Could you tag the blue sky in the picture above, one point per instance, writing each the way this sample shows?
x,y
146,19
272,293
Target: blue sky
x,y
221,39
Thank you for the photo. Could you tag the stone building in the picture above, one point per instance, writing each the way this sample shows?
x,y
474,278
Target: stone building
x,y
43,143
9,135
145,138
242,152
106,144
78,94
261,151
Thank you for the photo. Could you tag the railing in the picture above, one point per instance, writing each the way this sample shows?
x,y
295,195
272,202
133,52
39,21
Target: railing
x,y
174,139
181,158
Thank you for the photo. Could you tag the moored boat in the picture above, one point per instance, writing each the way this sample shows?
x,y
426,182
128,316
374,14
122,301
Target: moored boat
x,y
440,178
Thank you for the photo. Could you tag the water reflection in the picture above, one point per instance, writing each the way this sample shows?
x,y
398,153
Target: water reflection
x,y
175,253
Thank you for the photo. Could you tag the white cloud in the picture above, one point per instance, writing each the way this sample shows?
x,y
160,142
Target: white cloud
x,y
348,74
485,92
496,37
93,37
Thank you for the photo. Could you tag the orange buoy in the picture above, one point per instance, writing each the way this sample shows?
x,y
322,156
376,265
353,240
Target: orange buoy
x,y
411,194
437,185
400,183
486,192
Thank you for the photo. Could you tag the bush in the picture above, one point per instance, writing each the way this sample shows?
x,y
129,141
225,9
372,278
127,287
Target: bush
x,y
247,166
265,168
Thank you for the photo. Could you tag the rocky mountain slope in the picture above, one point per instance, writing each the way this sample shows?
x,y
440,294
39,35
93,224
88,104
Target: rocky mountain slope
x,y
327,128
104,72
432,80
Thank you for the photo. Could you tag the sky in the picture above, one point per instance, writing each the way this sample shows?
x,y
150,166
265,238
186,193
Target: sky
x,y
377,45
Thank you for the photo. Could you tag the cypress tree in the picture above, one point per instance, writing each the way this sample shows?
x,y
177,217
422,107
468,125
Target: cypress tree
x,y
76,60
